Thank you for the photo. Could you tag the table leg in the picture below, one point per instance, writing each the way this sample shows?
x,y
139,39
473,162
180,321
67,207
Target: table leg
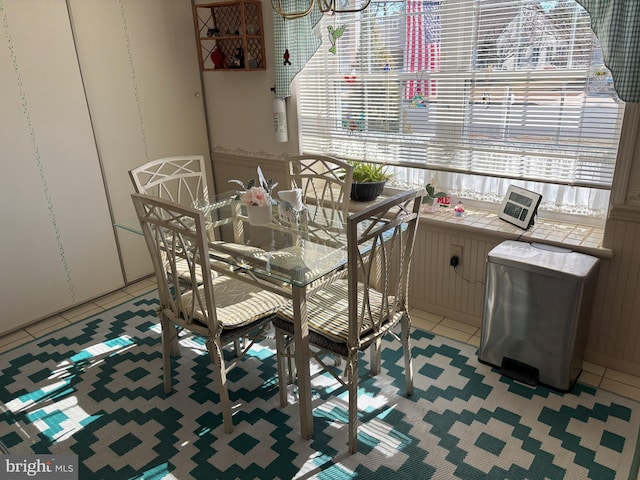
x,y
301,335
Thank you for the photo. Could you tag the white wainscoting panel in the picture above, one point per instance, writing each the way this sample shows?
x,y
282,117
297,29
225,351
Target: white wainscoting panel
x,y
614,338
436,287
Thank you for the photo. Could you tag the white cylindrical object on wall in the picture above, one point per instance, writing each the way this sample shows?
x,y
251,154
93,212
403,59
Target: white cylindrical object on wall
x,y
280,119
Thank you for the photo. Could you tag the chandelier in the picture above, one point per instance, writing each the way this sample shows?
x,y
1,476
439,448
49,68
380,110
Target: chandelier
x,y
325,6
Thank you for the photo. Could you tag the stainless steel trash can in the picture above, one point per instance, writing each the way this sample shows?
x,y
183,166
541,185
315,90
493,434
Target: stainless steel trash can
x,y
536,312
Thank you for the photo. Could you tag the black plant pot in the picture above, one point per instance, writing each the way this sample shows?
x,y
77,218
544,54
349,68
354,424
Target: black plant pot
x,y
366,191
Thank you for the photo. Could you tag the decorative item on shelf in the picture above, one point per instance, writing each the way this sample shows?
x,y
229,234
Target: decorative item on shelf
x,y
444,201
431,199
252,62
258,197
217,57
238,58
458,209
369,180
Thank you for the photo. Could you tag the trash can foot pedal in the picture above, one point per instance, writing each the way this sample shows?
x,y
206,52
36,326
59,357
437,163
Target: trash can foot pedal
x,y
519,371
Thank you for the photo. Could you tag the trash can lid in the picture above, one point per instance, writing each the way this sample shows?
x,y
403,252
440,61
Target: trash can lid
x,y
545,259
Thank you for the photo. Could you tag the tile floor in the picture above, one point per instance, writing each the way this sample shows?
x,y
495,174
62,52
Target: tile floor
x,y
595,375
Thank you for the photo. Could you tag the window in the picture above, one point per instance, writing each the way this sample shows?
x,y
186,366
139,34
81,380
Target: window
x,y
478,93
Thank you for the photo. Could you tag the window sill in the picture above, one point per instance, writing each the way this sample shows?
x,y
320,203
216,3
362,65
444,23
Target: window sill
x,y
581,238
476,221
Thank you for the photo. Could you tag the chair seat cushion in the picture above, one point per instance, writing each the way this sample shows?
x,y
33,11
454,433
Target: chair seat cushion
x,y
328,314
237,303
184,273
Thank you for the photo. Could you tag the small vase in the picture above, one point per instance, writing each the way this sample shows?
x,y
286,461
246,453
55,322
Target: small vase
x,y
217,57
431,208
259,215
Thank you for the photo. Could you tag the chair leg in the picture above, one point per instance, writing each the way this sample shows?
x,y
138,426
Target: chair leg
x,y
281,351
175,344
290,359
215,352
375,361
405,323
237,346
352,382
169,335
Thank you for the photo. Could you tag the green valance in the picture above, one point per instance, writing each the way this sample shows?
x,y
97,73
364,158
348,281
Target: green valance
x,y
616,23
295,42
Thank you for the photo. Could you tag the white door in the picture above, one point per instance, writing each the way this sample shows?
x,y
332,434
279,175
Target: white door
x,y
58,247
139,63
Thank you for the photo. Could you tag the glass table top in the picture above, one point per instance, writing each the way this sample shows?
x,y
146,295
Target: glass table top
x,y
295,247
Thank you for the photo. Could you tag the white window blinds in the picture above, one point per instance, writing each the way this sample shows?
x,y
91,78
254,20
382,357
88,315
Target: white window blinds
x,y
504,89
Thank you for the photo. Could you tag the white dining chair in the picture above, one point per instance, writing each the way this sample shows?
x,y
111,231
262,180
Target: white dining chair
x,y
352,315
325,181
180,179
221,308
326,185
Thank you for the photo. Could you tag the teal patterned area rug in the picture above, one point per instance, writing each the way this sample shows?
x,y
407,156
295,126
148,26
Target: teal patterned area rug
x,y
94,389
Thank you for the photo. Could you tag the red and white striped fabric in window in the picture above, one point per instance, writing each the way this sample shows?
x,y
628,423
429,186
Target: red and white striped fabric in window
x,y
422,52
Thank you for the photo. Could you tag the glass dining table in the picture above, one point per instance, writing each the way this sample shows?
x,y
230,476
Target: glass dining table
x,y
294,255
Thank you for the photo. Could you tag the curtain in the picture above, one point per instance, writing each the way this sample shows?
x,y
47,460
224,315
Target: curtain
x,y
295,42
616,23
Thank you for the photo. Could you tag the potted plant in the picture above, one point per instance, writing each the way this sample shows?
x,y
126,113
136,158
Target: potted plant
x,y
430,199
369,180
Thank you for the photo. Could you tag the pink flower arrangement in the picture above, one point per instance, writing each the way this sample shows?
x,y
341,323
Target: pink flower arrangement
x,y
256,196
258,193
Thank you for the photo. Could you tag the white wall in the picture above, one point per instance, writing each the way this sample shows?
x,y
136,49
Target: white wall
x,y
239,105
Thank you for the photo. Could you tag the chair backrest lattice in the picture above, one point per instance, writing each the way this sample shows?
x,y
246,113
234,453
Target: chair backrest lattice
x,y
181,179
380,248
325,181
176,236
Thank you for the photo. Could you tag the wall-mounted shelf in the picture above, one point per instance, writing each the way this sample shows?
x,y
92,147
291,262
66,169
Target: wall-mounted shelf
x,y
230,35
